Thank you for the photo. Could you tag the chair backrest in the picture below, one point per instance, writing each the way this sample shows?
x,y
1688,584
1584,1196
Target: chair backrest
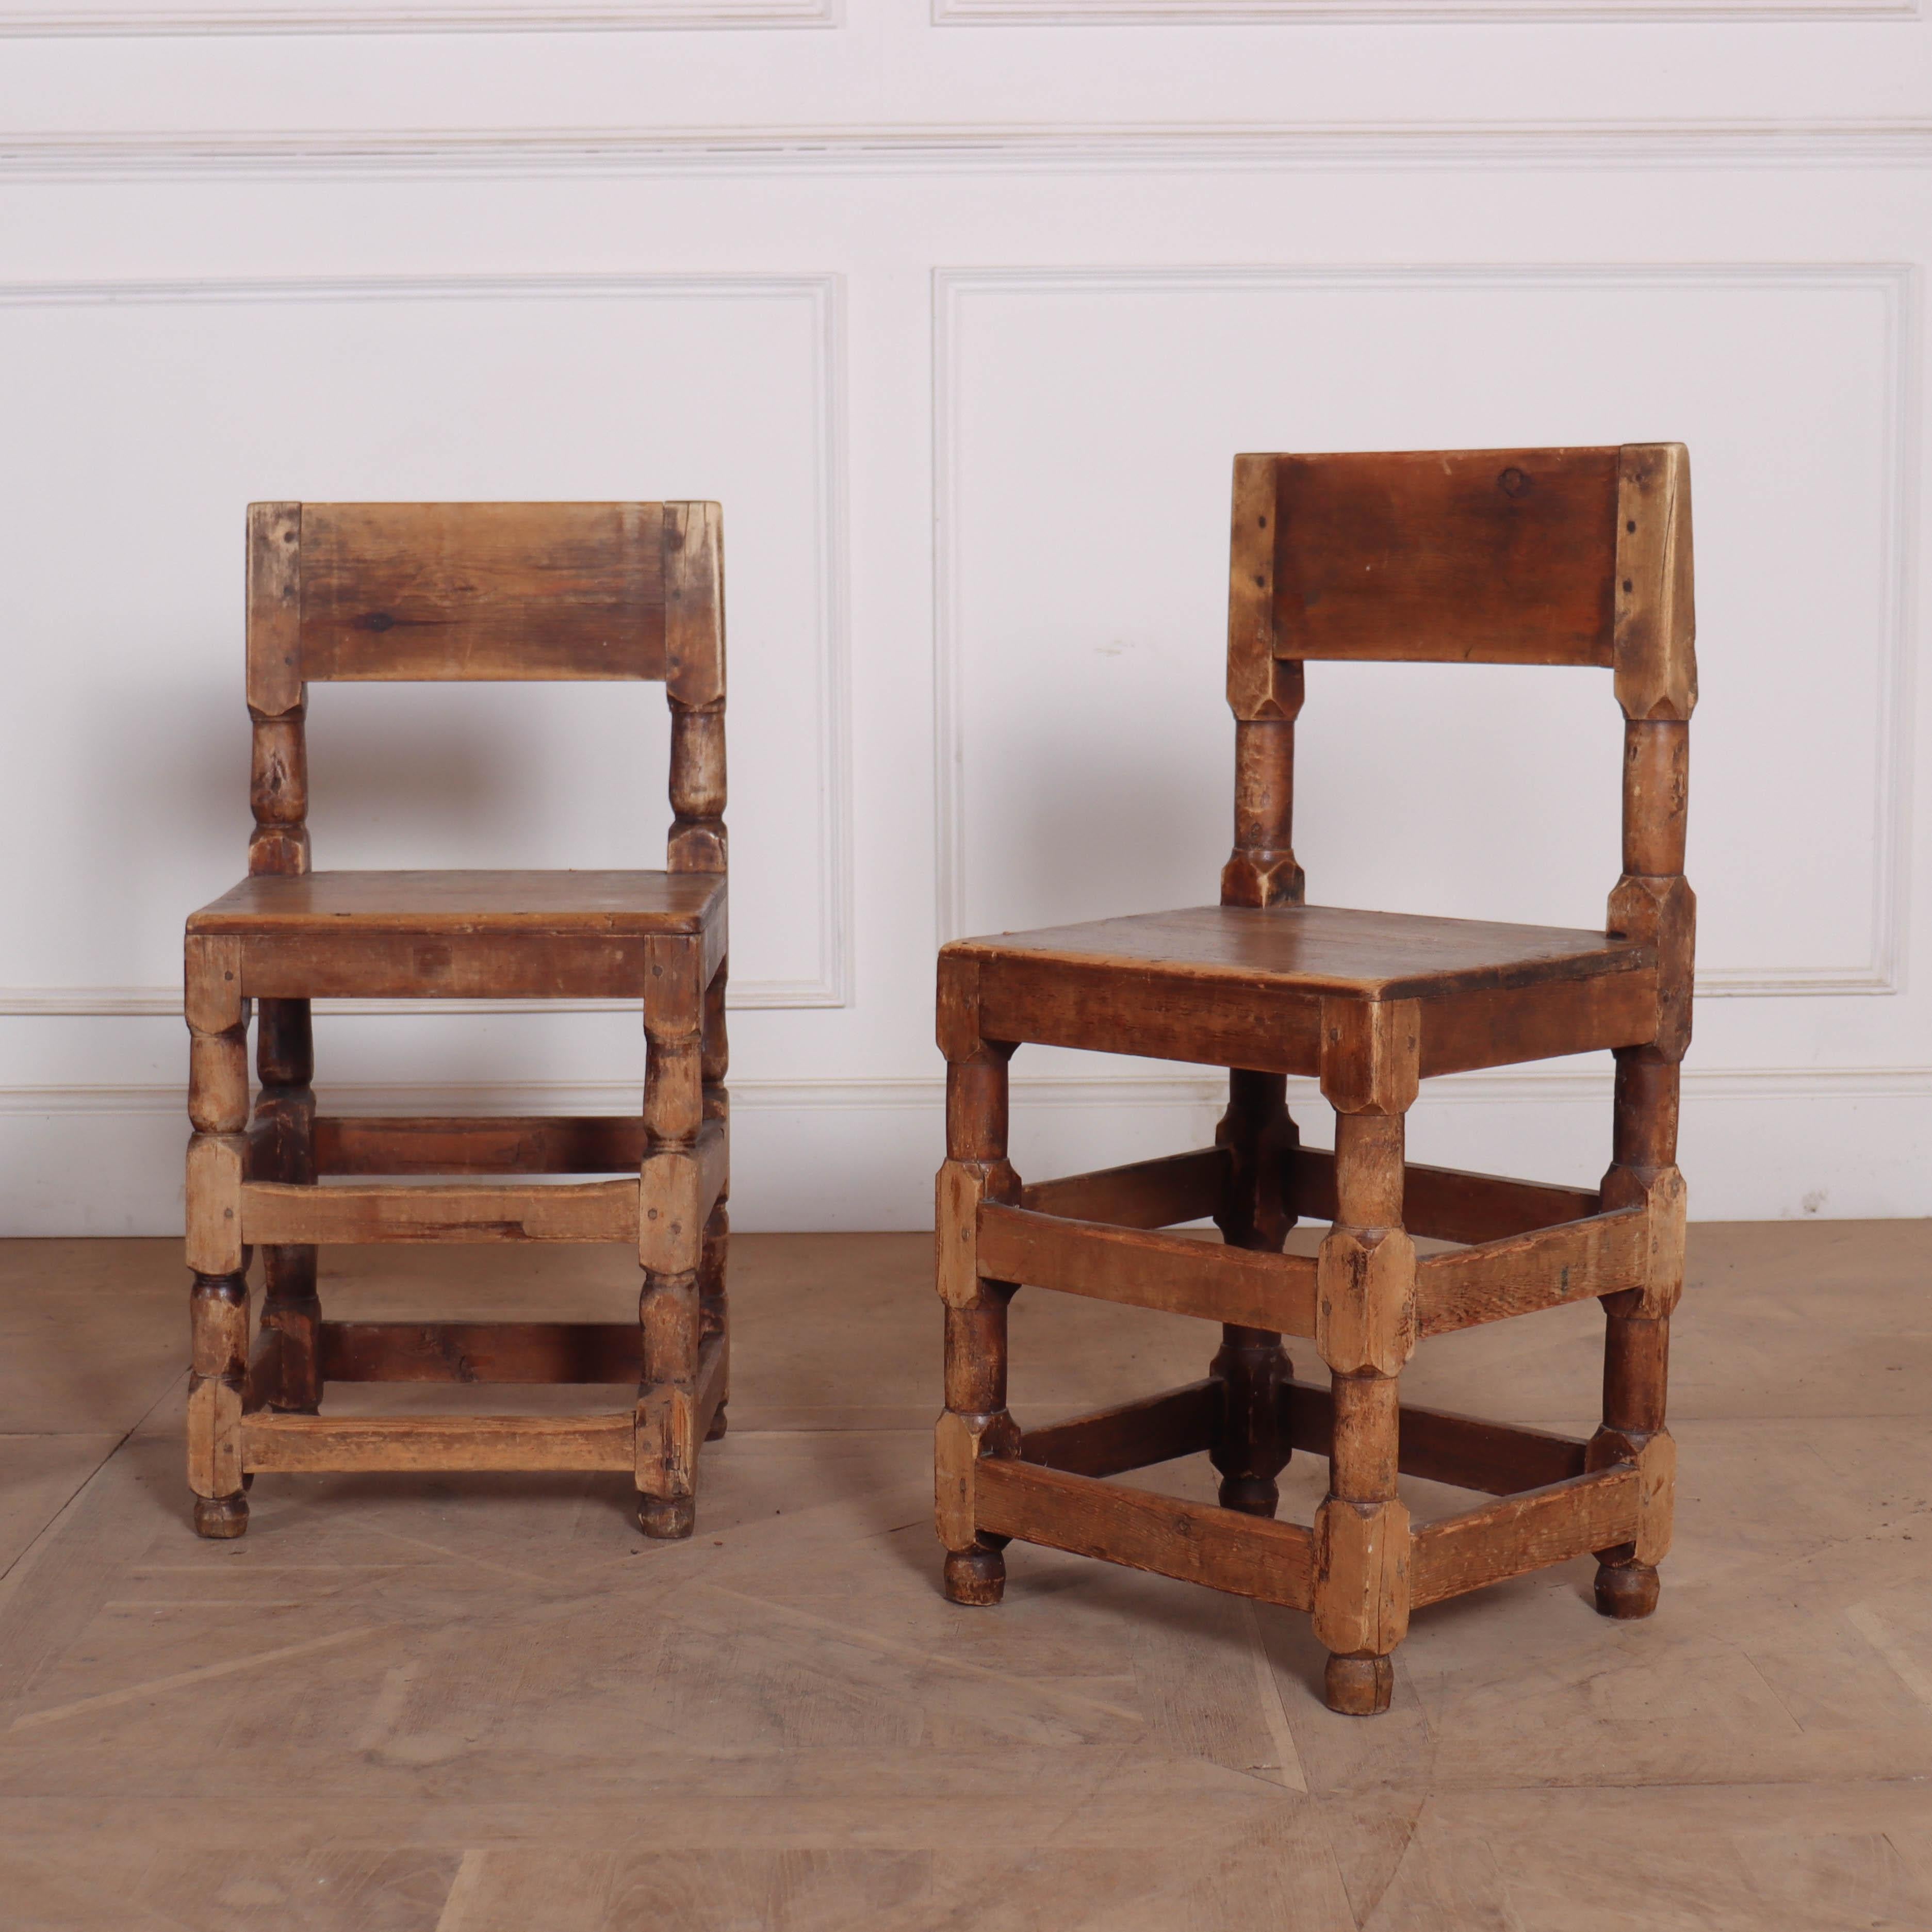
x,y
1543,557
473,591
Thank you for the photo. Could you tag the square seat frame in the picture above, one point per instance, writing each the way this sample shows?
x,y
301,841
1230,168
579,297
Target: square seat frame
x,y
440,592
1565,557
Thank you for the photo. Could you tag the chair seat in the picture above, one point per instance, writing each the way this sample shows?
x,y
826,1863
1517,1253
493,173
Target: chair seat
x,y
1232,985
638,903
558,934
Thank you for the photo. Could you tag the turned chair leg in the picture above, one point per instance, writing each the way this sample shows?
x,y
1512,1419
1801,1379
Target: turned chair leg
x,y
1365,1331
283,1149
218,1321
670,1242
217,1019
1636,1338
976,1421
713,1304
713,1308
1251,1446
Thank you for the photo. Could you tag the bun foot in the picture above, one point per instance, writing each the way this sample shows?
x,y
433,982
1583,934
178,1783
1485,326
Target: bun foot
x,y
220,1517
975,1577
666,1518
1252,1495
1625,1590
1359,1687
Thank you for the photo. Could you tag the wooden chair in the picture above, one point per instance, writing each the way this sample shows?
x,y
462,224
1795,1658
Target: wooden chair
x,y
1565,557
484,591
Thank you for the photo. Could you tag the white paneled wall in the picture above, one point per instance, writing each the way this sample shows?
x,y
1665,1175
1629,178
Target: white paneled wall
x,y
961,311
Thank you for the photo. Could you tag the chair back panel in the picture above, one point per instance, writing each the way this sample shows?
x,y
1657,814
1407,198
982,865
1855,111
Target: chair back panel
x,y
485,591
1467,556
417,592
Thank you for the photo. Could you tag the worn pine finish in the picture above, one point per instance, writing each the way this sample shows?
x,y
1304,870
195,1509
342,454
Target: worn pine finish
x,y
1578,557
437,591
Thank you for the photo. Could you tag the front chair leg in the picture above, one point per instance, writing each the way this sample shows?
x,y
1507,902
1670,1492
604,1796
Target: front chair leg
x,y
218,1312
282,1148
976,1422
667,1406
1365,1331
217,1155
670,1241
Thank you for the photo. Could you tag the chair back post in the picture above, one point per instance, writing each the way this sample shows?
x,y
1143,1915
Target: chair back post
x,y
278,781
1656,681
1264,692
1249,1445
1655,663
282,1139
694,582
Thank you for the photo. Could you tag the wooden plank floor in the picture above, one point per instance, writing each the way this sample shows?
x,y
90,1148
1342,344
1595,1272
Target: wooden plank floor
x,y
486,1705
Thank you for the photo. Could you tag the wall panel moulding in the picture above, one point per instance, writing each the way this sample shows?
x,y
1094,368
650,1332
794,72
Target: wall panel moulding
x,y
131,17
942,148
1332,12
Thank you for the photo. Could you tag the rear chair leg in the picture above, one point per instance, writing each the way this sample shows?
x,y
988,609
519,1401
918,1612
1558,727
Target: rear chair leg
x,y
1251,1447
1636,1339
282,1148
976,1422
713,1308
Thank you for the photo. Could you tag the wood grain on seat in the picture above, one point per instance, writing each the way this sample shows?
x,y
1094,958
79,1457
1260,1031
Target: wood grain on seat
x,y
1330,949
636,903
